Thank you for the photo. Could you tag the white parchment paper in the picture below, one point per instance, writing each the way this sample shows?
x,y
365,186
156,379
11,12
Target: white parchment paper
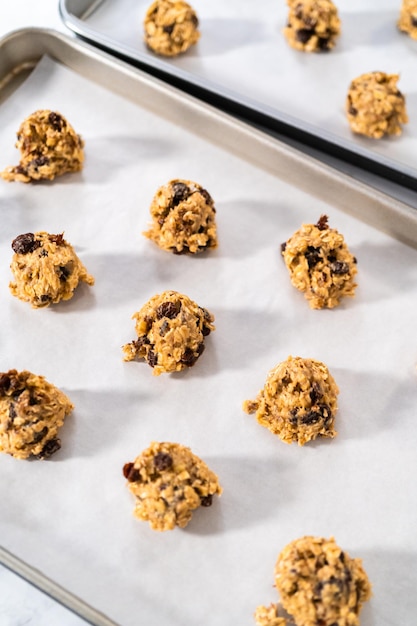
x,y
71,517
242,50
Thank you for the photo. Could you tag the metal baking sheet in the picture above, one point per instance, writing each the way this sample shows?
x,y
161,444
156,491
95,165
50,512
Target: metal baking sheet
x,y
27,597
67,524
243,61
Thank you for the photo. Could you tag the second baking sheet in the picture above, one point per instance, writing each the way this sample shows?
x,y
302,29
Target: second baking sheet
x,y
242,54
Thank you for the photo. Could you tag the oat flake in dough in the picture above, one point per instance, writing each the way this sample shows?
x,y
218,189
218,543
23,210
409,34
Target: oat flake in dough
x,y
298,401
268,616
46,269
320,264
32,411
407,22
183,218
375,107
171,329
171,27
169,482
319,583
312,25
49,147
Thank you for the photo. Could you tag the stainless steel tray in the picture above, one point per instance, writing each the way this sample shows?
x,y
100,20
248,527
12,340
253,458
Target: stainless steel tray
x,y
299,185
243,64
54,591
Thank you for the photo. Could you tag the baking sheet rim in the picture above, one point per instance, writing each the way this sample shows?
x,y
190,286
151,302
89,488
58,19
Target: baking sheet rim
x,y
53,590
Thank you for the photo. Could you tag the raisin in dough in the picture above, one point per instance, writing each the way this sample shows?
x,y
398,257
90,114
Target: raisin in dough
x,y
46,269
268,616
407,22
171,27
169,482
31,413
319,583
298,402
183,218
49,147
374,105
320,264
312,26
171,329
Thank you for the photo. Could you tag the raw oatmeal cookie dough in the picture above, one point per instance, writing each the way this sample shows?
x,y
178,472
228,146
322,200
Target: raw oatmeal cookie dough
x,y
171,27
268,616
313,25
374,105
48,146
46,269
31,413
319,583
183,218
171,329
298,402
169,482
320,264
408,18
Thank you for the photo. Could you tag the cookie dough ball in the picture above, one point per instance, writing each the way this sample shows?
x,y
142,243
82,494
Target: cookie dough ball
x,y
171,27
169,482
320,264
48,146
268,616
408,18
298,402
31,413
183,218
171,329
46,269
374,105
313,25
320,584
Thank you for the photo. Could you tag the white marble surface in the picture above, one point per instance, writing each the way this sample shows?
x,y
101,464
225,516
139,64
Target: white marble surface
x,y
15,14
21,603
